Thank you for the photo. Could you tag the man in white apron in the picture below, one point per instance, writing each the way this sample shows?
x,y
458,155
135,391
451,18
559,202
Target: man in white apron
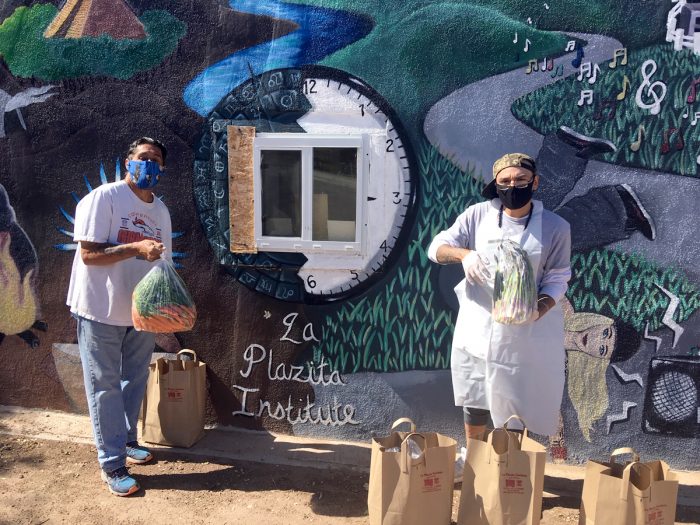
x,y
499,370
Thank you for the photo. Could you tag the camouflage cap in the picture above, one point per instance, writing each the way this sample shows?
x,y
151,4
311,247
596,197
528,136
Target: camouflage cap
x,y
517,160
509,160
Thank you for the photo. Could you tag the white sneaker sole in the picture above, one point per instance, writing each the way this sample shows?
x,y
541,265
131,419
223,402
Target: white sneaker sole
x,y
133,489
133,461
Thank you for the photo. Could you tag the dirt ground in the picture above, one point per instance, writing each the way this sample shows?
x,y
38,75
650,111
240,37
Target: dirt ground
x,y
48,482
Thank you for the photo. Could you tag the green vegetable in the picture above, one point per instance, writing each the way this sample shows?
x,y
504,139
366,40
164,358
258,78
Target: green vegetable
x,y
515,292
160,302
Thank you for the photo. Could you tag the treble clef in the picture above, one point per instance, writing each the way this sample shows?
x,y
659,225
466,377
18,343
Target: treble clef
x,y
648,70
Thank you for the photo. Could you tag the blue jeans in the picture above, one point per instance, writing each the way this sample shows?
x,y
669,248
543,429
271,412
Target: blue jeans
x,y
115,369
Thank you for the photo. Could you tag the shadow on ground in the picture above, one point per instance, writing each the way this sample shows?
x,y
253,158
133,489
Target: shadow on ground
x,y
336,492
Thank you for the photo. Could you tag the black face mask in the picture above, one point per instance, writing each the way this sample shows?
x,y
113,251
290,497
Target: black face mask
x,y
515,198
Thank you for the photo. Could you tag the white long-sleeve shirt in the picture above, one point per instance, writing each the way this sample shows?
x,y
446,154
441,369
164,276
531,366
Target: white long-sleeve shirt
x,y
556,244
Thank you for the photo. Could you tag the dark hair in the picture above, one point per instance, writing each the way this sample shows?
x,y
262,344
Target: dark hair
x,y
627,343
147,140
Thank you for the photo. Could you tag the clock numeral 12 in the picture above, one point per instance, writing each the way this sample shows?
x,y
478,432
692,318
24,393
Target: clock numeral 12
x,y
310,86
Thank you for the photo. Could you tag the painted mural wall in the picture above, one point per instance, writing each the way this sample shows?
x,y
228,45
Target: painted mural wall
x,y
340,340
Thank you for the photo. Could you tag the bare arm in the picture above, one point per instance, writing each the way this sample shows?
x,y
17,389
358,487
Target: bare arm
x,y
544,304
100,254
447,254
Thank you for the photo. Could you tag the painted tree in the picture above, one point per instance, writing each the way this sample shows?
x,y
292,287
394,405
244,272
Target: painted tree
x,y
81,18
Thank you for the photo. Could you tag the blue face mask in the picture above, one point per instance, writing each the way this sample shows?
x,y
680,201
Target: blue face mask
x,y
145,173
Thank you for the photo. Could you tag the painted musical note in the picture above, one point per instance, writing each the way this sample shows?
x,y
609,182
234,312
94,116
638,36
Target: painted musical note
x,y
586,97
695,118
558,72
666,145
692,95
529,20
590,71
617,54
625,85
570,45
546,7
576,62
608,103
532,65
685,113
649,89
527,45
594,77
515,40
641,131
584,68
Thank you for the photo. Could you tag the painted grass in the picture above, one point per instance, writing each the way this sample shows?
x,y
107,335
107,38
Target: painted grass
x,y
28,54
555,105
627,287
419,52
637,24
402,326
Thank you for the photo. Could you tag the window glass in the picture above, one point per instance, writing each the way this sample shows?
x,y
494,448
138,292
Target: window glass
x,y
335,194
280,173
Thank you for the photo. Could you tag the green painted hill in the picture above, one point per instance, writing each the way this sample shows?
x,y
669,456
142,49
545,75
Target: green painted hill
x,y
421,50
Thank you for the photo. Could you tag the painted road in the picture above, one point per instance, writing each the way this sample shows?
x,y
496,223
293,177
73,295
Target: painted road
x,y
474,126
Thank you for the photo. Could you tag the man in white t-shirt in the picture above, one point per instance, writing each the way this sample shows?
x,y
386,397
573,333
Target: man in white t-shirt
x,y
122,228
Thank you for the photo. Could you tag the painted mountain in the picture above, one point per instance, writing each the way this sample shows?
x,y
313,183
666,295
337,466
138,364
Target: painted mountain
x,y
81,18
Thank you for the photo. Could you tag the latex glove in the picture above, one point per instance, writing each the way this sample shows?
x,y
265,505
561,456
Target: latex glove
x,y
475,268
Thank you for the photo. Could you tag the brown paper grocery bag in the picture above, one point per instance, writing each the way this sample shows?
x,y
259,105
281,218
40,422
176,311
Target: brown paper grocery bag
x,y
407,490
174,404
635,493
503,479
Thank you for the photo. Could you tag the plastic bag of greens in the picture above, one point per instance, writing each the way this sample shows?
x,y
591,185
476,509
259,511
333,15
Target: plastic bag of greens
x,y
160,302
514,292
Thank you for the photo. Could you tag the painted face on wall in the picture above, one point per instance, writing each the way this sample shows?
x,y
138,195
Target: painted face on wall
x,y
597,341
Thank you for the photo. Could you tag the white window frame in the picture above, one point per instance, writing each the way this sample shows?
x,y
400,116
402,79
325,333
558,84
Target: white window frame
x,y
305,143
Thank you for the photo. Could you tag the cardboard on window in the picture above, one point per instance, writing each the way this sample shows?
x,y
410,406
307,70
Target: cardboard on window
x,y
241,189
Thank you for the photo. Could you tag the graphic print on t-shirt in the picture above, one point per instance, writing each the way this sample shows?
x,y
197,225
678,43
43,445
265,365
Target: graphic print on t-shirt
x,y
137,227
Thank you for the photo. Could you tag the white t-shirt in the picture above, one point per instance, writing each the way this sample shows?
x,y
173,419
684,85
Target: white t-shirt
x,y
112,213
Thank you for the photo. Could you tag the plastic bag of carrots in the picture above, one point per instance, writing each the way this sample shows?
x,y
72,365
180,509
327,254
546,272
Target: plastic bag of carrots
x,y
160,302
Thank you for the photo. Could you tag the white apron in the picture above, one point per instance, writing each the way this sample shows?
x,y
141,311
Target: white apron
x,y
508,369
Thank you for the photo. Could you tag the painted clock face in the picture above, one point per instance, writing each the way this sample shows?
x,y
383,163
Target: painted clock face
x,y
319,101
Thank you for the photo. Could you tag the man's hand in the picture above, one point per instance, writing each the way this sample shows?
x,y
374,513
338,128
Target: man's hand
x,y
544,304
99,254
475,268
149,249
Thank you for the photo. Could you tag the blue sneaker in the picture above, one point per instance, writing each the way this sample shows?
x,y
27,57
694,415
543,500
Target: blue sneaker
x,y
136,454
119,482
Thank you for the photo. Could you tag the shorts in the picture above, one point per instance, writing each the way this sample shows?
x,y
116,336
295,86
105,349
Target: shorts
x,y
476,416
